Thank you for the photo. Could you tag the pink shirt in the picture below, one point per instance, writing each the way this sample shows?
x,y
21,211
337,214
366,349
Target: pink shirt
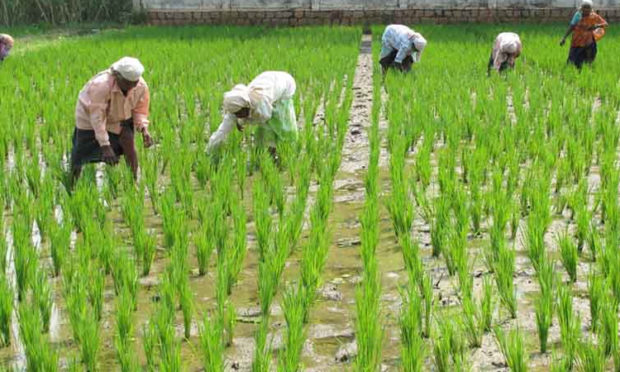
x,y
101,106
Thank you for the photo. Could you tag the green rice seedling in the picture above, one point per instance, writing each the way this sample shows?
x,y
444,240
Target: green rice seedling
x,y
174,221
262,352
608,335
262,218
570,325
513,349
441,347
594,242
204,248
504,271
426,288
96,286
449,348
239,242
535,241
89,341
42,296
439,225
39,354
596,295
211,344
163,322
124,332
591,358
59,245
6,311
410,321
146,244
369,330
25,256
487,306
125,275
569,255
472,320
544,314
187,307
149,343
294,314
423,163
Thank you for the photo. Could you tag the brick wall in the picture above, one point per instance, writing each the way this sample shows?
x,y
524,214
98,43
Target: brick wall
x,y
302,17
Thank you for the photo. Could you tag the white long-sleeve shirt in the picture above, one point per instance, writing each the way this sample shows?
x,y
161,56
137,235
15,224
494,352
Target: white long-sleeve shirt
x,y
507,48
401,38
264,91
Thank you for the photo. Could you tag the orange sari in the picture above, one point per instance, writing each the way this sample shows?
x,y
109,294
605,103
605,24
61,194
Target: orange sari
x,y
582,35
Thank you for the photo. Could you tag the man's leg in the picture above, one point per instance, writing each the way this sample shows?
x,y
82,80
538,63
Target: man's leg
x,y
127,143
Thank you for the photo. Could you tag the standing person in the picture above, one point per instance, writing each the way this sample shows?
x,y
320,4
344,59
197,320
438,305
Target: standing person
x,y
6,44
587,28
109,107
401,47
267,102
506,49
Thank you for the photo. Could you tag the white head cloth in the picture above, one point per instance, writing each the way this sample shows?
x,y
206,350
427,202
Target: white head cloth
x,y
419,42
6,39
587,3
130,68
509,46
237,98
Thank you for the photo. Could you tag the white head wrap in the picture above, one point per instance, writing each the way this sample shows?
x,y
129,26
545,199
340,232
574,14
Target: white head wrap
x,y
6,39
130,68
509,46
419,42
237,98
587,3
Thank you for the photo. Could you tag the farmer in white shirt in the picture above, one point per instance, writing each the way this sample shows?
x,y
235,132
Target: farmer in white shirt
x,y
506,49
401,47
266,102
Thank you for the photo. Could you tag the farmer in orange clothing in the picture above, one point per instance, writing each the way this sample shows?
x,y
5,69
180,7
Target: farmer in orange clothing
x,y
587,28
110,107
6,43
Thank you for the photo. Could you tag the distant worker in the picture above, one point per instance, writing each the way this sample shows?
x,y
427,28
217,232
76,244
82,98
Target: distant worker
x,y
266,102
506,49
587,28
401,47
109,107
6,44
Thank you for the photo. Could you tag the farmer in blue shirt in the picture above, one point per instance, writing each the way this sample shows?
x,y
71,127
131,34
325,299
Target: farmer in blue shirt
x,y
401,47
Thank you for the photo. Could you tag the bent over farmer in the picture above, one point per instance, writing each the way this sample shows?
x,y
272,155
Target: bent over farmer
x,y
6,44
401,47
587,28
110,107
506,49
267,102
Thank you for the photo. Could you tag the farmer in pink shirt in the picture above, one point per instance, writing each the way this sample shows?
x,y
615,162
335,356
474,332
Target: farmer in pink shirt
x,y
6,43
110,107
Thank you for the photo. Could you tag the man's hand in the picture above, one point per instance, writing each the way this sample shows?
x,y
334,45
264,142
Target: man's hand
x,y
147,139
109,157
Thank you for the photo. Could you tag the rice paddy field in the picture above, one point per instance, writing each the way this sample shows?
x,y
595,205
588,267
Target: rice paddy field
x,y
441,220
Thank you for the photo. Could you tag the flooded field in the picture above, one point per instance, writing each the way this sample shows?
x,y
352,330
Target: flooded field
x,y
440,220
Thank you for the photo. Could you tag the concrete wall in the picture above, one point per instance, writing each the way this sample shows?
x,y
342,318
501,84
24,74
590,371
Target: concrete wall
x,y
359,4
349,12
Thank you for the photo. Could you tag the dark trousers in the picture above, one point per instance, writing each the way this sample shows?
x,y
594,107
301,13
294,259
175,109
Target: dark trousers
x,y
86,149
579,56
502,67
388,62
